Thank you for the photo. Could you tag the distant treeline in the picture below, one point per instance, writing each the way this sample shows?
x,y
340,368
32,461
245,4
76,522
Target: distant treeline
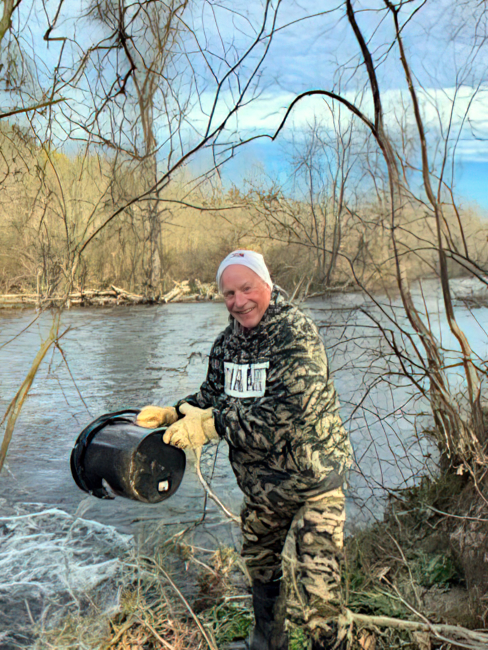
x,y
52,204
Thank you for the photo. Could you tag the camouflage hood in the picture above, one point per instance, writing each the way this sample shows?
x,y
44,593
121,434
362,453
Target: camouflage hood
x,y
275,404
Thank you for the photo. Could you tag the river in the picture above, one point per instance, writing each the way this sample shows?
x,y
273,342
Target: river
x,y
130,356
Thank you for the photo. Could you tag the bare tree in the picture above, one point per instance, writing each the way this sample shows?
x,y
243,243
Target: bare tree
x,y
114,78
461,438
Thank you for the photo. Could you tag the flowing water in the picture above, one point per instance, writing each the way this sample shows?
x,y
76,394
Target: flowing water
x,y
115,358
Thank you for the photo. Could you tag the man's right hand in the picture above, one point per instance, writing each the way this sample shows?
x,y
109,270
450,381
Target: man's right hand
x,y
192,431
152,417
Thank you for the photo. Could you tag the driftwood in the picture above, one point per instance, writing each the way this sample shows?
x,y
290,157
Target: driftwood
x,y
113,296
459,637
181,292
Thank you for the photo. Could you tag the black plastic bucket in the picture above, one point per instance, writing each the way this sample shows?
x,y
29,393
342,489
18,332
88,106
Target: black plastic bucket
x,y
113,456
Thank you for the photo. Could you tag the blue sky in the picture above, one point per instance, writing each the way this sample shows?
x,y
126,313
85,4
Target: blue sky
x,y
440,41
471,176
307,53
473,183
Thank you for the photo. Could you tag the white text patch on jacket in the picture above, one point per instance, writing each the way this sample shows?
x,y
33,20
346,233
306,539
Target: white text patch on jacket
x,y
245,379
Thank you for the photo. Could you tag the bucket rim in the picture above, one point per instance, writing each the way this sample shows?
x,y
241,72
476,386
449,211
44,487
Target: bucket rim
x,y
83,442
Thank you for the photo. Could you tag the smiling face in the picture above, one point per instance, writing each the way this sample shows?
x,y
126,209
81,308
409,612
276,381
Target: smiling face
x,y
246,295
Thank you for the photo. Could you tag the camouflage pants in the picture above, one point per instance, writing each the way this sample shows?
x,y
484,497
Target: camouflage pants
x,y
300,544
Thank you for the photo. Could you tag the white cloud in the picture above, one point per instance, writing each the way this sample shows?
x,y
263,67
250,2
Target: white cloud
x,y
464,109
307,55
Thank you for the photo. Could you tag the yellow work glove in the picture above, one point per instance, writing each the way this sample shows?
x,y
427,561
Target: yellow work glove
x,y
194,430
152,417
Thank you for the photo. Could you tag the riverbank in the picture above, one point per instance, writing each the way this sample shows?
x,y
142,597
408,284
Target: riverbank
x,y
468,291
407,582
113,296
181,597
423,567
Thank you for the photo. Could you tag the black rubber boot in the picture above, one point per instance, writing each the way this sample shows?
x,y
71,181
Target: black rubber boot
x,y
269,613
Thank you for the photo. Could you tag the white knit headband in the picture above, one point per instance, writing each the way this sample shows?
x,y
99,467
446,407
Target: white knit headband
x,y
252,260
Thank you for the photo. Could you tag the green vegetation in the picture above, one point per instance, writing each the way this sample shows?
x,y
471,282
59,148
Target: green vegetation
x,y
229,621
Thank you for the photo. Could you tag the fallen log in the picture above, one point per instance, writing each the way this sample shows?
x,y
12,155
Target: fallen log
x,y
22,299
172,296
126,294
454,634
192,297
178,290
19,295
181,292
91,293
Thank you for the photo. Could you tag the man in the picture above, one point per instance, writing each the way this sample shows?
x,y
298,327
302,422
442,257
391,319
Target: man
x,y
269,393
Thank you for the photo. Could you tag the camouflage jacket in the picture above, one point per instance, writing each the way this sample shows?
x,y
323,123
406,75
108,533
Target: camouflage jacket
x,y
275,404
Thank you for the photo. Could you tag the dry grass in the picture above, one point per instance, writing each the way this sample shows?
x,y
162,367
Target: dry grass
x,y
180,598
398,574
51,204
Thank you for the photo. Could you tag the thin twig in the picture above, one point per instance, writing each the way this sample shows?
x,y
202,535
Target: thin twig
x,y
212,495
476,640
154,633
128,624
205,635
447,514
